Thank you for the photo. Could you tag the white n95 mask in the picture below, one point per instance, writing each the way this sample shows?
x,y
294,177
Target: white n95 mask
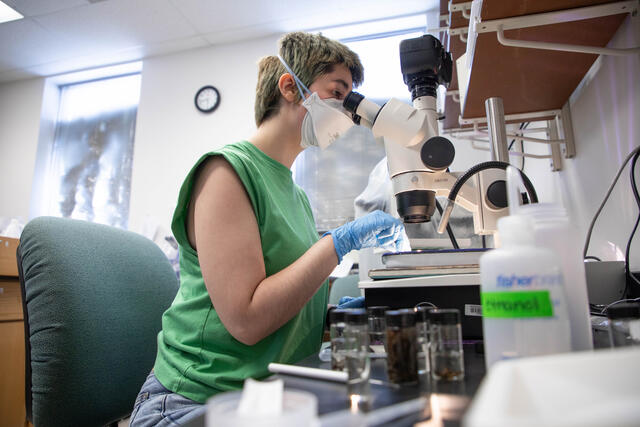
x,y
325,120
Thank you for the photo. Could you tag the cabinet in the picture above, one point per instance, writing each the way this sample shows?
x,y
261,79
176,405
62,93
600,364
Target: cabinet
x,y
528,80
533,80
12,404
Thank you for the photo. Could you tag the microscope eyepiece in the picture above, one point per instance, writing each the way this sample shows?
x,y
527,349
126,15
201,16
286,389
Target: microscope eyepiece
x,y
351,101
362,110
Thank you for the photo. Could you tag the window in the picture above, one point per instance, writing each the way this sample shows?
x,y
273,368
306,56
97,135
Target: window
x,y
381,60
90,160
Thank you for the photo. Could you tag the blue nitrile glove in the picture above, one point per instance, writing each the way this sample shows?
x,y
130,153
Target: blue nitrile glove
x,y
376,229
344,302
351,302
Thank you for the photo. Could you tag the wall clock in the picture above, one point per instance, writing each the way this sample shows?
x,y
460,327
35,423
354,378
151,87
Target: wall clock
x,y
207,99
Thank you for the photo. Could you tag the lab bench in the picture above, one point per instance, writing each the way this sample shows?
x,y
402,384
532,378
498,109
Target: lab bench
x,y
446,400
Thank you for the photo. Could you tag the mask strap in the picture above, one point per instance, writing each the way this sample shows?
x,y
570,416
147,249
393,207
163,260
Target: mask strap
x,y
299,83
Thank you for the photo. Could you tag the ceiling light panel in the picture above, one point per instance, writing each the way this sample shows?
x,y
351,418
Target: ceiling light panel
x,y
8,14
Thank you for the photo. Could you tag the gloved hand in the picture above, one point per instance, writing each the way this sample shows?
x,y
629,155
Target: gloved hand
x,y
344,302
351,302
376,229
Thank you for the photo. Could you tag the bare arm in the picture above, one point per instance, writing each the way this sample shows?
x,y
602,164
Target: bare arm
x,y
222,228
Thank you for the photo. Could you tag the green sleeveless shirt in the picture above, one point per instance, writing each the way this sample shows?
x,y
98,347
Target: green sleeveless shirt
x,y
197,356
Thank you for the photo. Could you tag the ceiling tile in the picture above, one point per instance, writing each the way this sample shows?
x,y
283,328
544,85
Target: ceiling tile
x,y
88,62
239,34
117,57
117,24
25,43
177,45
218,16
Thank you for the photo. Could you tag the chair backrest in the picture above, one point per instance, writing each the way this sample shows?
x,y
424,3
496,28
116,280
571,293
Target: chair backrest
x,y
344,287
93,299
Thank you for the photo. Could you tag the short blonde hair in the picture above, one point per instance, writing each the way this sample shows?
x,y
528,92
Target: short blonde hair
x,y
309,56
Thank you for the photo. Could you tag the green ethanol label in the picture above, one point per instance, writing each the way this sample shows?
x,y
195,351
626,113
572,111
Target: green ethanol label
x,y
516,304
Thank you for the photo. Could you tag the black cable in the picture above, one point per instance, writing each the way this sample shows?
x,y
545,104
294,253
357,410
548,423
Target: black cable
x,y
454,242
484,242
493,164
522,148
596,309
626,264
595,258
514,140
523,126
619,302
585,250
634,190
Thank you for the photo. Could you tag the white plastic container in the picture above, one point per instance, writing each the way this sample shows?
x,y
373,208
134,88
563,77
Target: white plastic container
x,y
523,299
585,389
299,409
553,230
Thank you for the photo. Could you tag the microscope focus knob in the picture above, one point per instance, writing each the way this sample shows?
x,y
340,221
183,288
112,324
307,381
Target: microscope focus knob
x,y
437,153
497,194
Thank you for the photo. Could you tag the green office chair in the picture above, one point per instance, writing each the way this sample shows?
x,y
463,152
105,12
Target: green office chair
x,y
93,298
346,286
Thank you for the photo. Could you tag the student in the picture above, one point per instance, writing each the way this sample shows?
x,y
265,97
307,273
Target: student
x,y
253,272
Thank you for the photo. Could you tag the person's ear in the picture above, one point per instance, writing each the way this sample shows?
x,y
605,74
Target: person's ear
x,y
288,88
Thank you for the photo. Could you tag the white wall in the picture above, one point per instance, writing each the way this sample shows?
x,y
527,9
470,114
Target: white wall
x,y
48,118
20,110
171,134
606,123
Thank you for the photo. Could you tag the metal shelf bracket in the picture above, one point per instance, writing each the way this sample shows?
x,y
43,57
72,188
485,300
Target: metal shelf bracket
x,y
465,8
500,25
559,131
556,155
460,32
455,95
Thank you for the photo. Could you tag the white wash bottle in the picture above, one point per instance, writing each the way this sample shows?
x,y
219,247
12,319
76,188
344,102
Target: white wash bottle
x,y
553,229
523,298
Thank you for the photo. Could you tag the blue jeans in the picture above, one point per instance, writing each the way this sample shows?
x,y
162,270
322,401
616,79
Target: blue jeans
x,y
158,406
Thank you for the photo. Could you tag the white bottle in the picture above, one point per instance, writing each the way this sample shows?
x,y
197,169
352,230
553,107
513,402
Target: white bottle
x,y
553,230
523,300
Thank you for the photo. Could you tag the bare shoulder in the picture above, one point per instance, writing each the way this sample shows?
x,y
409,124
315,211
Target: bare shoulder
x,y
213,169
218,197
217,182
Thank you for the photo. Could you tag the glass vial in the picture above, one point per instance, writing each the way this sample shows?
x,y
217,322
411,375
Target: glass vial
x,y
422,333
447,361
336,332
356,334
377,328
402,367
624,324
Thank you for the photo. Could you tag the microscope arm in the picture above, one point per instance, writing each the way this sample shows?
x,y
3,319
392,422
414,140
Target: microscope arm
x,y
490,196
468,197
